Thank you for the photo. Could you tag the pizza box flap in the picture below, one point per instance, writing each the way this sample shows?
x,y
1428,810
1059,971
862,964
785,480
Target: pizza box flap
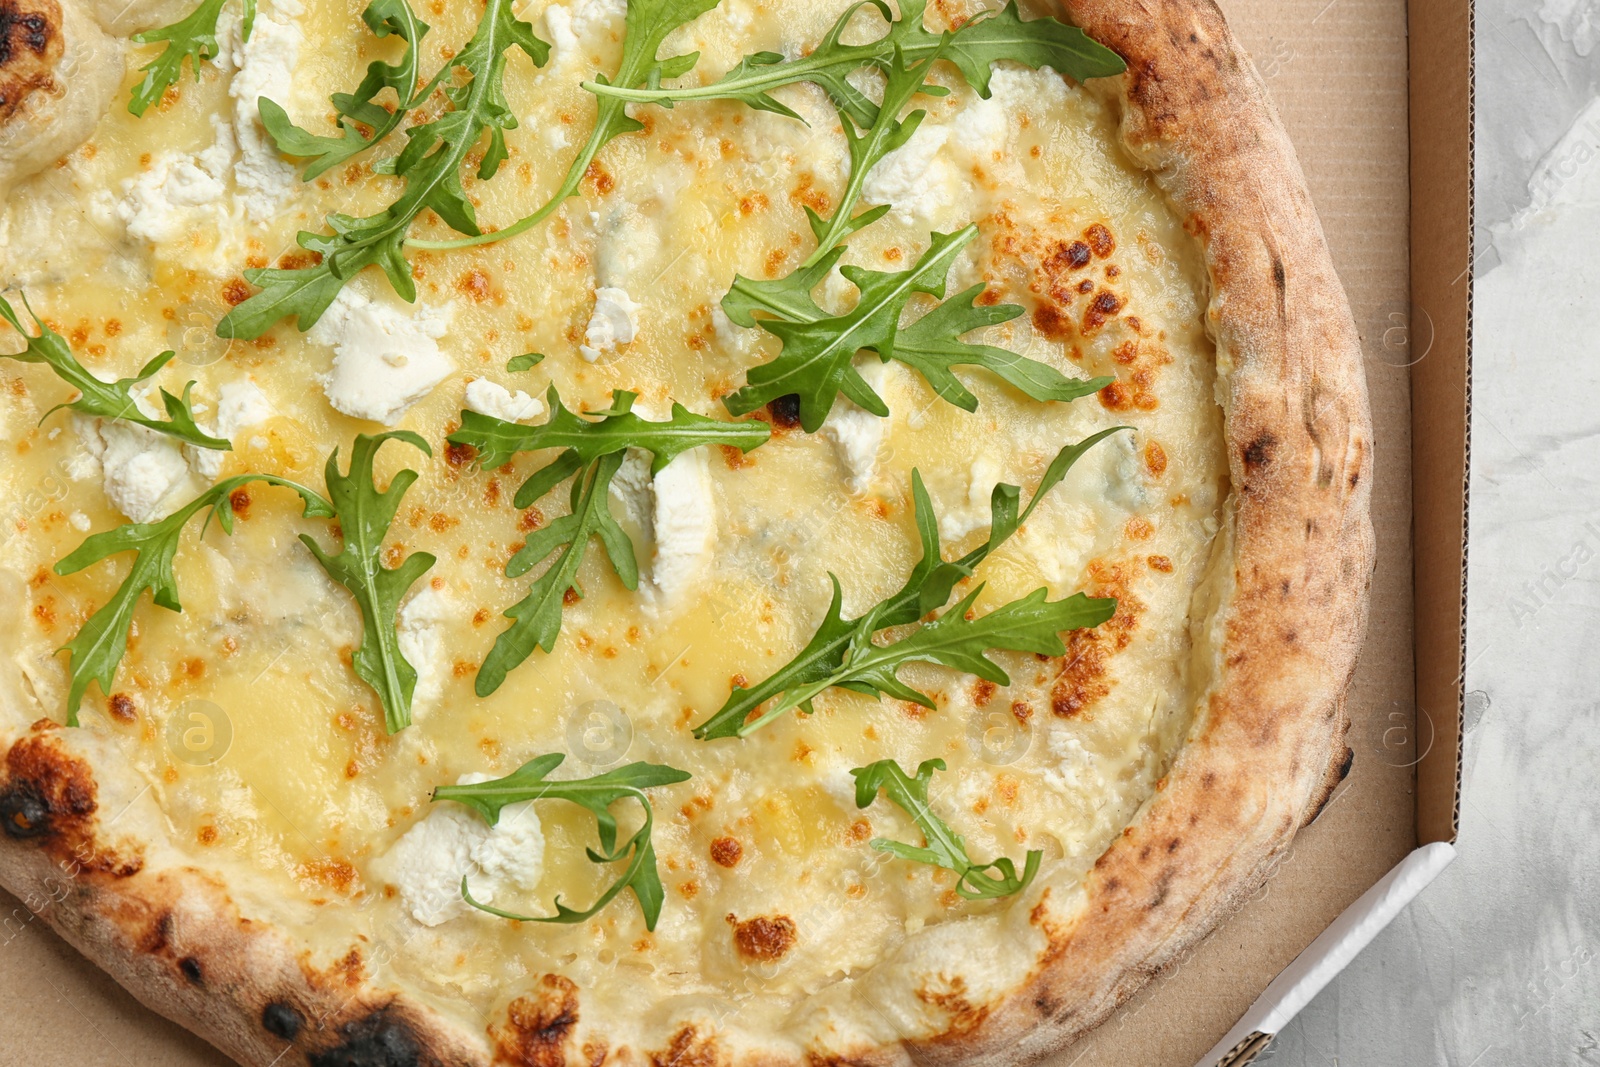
x,y
1388,160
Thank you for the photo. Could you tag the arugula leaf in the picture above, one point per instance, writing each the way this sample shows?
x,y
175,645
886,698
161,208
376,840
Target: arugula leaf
x,y
194,39
818,347
927,589
647,26
945,847
597,794
385,18
108,400
94,654
932,345
1031,624
583,440
431,166
364,515
592,453
816,361
976,47
818,352
527,361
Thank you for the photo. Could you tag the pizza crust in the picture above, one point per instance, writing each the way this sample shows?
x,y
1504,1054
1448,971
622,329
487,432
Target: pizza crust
x,y
1278,638
58,73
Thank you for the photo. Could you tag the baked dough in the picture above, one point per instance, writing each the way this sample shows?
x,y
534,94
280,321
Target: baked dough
x,y
58,73
1266,638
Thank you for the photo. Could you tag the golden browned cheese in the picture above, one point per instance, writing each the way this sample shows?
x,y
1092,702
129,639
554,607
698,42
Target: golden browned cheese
x,y
137,243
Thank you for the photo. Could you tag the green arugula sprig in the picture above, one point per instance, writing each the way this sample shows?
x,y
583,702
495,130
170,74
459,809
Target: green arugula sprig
x,y
816,361
944,846
955,639
593,448
108,400
97,650
431,166
364,515
361,109
193,39
597,794
648,23
975,48
790,297
583,440
832,650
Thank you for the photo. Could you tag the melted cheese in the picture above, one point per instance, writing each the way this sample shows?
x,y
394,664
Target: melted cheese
x,y
135,245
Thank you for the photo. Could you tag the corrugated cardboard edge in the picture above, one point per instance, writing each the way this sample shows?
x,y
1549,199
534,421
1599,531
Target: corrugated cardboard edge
x,y
1441,49
1328,955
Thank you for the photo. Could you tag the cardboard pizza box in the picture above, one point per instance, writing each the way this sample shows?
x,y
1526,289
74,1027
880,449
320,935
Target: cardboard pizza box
x,y
1377,97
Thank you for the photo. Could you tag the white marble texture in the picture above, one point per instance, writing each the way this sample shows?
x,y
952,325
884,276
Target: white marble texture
x,y
1498,962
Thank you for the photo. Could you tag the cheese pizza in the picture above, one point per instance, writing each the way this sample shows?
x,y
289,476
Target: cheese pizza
x,y
665,531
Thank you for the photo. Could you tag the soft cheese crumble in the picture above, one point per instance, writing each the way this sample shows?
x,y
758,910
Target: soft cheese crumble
x,y
385,359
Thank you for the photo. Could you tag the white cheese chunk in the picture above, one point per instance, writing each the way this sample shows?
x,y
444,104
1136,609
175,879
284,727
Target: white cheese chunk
x,y
385,359
240,405
630,489
266,64
615,323
145,474
684,523
857,436
496,401
916,178
974,512
422,643
427,864
577,26
179,193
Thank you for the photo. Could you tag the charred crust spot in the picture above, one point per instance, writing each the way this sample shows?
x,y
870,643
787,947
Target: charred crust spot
x,y
31,44
1083,678
236,291
726,851
686,1049
122,707
1163,885
459,455
1258,453
382,1039
1051,321
1102,309
158,936
282,1020
1074,256
192,970
538,1025
785,411
1100,240
765,938
47,793
1339,775
24,812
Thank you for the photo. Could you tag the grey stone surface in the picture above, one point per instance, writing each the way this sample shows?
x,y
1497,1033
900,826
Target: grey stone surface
x,y
1496,963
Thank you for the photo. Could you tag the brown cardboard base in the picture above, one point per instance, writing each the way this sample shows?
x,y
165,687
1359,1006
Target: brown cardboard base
x,y
1338,71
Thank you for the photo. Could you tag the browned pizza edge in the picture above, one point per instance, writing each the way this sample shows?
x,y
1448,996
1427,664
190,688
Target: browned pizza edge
x,y
1268,747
